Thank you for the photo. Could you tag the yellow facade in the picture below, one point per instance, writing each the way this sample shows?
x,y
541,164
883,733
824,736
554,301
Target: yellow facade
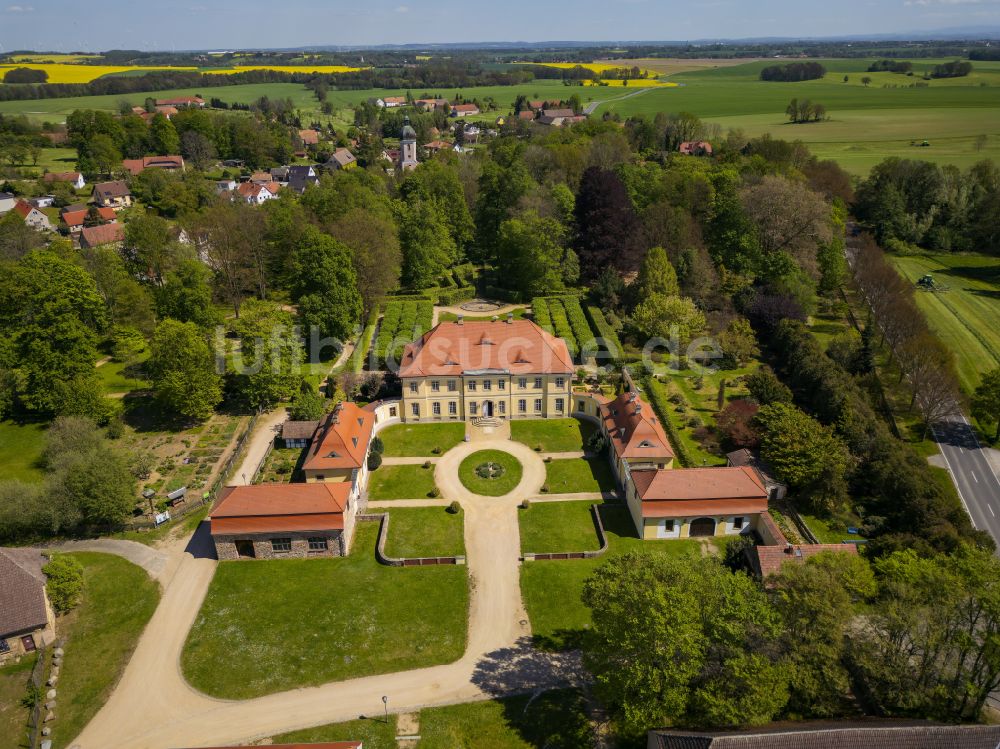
x,y
491,393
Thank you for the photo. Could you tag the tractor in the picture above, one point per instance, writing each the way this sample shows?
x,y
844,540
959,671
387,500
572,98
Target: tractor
x,y
927,283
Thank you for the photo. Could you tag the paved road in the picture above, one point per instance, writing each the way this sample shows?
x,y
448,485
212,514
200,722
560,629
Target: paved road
x,y
972,472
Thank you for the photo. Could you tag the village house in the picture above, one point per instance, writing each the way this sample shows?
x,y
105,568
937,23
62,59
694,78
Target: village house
x,y
744,457
74,178
74,216
309,137
436,146
112,195
7,202
95,236
26,618
391,101
43,201
138,166
339,448
486,370
464,110
695,148
431,104
257,194
271,521
32,216
301,177
526,114
298,434
768,559
225,185
341,158
635,436
560,117
181,101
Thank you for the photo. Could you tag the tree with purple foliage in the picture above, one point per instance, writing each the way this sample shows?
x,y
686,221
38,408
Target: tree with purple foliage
x,y
608,231
767,310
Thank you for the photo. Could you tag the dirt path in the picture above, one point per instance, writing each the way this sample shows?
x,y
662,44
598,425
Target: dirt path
x,y
457,310
154,561
154,708
262,438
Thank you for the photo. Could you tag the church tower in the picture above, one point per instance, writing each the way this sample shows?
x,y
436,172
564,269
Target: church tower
x,y
407,147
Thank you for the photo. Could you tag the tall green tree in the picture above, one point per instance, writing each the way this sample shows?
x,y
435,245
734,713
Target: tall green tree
x,y
438,181
500,189
797,446
986,400
427,245
665,317
186,294
183,370
657,275
682,641
268,368
531,256
163,138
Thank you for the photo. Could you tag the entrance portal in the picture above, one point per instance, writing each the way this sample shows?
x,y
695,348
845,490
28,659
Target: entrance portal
x,y
702,527
244,549
487,409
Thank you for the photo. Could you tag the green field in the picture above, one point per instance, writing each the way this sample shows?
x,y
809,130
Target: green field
x,y
495,486
425,532
964,317
420,440
866,124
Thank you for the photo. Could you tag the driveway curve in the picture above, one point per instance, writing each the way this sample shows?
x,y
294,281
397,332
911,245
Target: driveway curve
x,y
153,707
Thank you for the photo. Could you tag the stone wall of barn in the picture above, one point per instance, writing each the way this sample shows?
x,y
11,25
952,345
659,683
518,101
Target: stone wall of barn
x,y
226,545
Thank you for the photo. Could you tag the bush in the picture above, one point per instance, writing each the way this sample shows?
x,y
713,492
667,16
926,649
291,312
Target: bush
x,y
548,459
434,493
545,488
377,445
65,582
454,296
374,461
597,443
540,314
454,508
115,428
611,345
525,504
657,399
435,451
427,464
25,75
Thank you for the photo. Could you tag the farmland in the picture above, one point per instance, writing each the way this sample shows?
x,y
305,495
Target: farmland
x,y
964,316
66,71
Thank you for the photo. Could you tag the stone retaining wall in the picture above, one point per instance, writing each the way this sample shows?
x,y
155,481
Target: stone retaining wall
x,y
383,558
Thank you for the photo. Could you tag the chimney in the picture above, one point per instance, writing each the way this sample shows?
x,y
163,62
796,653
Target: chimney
x,y
510,318
789,548
638,409
459,320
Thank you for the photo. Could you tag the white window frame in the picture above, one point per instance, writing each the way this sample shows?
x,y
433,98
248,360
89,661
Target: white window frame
x,y
436,408
281,542
522,405
538,405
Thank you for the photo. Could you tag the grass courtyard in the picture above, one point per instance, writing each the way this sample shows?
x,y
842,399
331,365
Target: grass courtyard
x,y
401,482
495,486
553,435
303,622
547,721
425,532
579,475
99,636
421,440
20,450
551,589
13,715
556,526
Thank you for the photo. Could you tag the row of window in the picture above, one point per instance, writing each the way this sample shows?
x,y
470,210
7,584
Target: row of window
x,y
452,385
316,543
501,406
669,525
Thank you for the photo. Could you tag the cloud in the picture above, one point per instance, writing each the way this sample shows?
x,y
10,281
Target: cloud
x,y
19,9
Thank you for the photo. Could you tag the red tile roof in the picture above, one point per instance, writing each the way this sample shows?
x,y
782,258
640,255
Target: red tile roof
x,y
309,137
180,100
93,236
768,560
635,431
692,491
76,218
269,508
22,598
24,208
518,347
137,166
116,189
61,176
467,108
341,439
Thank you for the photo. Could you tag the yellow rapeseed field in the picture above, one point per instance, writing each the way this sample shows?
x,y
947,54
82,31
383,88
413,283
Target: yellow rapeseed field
x,y
634,83
54,58
324,69
597,67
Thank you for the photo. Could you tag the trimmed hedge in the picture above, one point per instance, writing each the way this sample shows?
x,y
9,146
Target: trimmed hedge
x,y
604,330
577,322
658,400
540,313
402,322
454,296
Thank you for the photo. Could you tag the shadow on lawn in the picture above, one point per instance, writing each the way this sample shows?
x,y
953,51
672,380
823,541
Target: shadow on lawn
x,y
523,668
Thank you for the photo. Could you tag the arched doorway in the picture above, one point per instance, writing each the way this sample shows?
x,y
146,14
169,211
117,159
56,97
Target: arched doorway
x,y
702,527
487,409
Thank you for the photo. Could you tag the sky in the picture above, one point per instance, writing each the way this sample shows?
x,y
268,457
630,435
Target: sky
x,y
72,25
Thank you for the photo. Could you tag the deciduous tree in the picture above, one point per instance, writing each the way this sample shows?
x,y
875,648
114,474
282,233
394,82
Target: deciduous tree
x,y
183,370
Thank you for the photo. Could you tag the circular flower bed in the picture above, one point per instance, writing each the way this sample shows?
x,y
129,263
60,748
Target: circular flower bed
x,y
491,473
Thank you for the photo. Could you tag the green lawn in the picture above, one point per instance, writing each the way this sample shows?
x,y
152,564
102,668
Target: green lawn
x,y
20,450
420,440
425,532
99,637
303,622
557,526
490,487
553,719
401,482
579,475
551,589
554,435
120,377
826,531
965,317
281,465
13,716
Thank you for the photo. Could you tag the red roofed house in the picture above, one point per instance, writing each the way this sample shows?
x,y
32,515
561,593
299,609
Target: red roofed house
x,y
391,101
74,178
271,521
767,560
137,166
181,101
491,370
309,137
695,148
32,216
339,449
635,436
257,194
74,217
690,502
95,236
464,110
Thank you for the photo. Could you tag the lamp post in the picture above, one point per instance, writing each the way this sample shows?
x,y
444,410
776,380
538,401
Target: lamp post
x,y
385,704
